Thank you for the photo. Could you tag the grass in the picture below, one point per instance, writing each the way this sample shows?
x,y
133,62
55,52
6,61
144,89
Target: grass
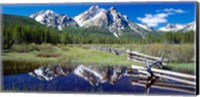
x,y
183,67
77,54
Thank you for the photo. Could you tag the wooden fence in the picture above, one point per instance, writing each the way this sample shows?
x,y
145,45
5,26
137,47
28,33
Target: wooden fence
x,y
139,57
163,79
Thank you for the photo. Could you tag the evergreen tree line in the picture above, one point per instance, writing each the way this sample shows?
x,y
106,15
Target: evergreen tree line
x,y
16,33
171,37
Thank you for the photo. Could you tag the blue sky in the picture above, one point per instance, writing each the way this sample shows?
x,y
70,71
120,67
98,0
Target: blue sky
x,y
153,14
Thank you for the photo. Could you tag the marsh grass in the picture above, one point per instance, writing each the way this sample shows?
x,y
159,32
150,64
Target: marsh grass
x,y
189,68
17,67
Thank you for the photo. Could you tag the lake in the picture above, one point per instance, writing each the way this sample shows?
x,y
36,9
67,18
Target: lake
x,y
79,79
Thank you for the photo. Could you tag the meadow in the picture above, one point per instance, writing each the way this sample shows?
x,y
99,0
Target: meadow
x,y
181,56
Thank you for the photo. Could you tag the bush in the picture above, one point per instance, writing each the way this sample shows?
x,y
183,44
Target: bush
x,y
47,48
24,48
181,53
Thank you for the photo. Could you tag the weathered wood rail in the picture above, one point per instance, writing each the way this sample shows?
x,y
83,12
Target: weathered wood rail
x,y
179,77
141,76
152,75
139,57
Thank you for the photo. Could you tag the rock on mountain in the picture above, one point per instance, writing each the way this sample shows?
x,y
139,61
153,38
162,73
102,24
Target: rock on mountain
x,y
52,19
179,27
111,19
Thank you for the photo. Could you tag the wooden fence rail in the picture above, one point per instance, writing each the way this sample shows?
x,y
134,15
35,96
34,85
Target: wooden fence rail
x,y
179,77
139,57
183,82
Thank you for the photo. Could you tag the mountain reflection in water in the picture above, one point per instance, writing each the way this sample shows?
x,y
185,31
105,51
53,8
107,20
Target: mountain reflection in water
x,y
82,78
93,74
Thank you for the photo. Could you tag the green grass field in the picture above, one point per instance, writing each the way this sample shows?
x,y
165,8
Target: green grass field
x,y
78,54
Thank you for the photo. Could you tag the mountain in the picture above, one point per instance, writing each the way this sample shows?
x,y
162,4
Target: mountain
x,y
146,27
118,24
179,27
53,19
189,27
94,16
111,19
171,27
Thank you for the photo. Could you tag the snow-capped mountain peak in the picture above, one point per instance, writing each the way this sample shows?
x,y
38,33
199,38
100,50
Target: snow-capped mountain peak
x,y
171,27
41,15
111,19
85,18
49,12
178,27
53,19
189,27
94,8
113,9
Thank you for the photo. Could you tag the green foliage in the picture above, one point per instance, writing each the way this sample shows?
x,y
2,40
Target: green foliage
x,y
171,37
24,48
17,30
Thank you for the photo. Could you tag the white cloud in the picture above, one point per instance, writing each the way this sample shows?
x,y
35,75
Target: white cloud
x,y
172,10
153,20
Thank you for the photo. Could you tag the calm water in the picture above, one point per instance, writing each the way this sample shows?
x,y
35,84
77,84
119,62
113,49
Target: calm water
x,y
82,79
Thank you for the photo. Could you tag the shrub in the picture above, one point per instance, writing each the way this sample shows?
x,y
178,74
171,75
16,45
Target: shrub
x,y
24,47
47,48
181,53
